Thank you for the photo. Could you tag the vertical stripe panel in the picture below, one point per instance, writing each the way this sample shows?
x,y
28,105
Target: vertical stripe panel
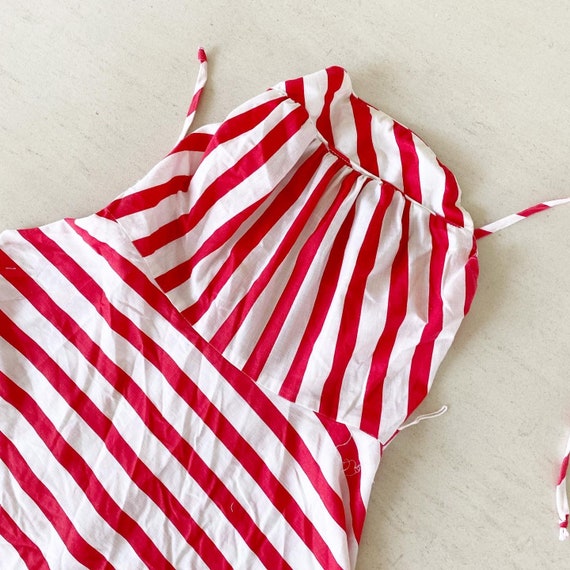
x,y
395,314
422,359
351,311
326,289
284,243
307,254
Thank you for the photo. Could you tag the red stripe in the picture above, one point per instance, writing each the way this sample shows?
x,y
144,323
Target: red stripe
x,y
481,233
180,449
352,306
254,235
78,401
255,398
410,162
195,100
451,210
305,259
196,141
147,198
295,88
223,429
237,125
82,474
26,548
471,276
78,547
364,140
348,451
421,361
180,273
335,77
395,315
563,471
243,168
533,210
327,287
233,322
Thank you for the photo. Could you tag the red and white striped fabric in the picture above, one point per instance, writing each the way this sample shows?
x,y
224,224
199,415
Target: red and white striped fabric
x,y
204,373
512,219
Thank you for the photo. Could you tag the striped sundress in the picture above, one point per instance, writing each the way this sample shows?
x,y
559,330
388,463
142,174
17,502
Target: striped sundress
x,y
204,374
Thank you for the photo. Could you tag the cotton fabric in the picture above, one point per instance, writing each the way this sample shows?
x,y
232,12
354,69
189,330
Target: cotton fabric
x,y
204,373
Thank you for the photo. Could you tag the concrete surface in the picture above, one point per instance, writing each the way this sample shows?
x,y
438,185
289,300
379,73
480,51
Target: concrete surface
x,y
93,94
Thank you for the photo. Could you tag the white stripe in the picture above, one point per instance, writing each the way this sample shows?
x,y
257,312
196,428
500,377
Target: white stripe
x,y
9,555
386,148
502,223
432,177
315,88
342,121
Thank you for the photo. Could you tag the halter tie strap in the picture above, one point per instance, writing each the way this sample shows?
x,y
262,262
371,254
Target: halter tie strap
x,y
198,89
511,219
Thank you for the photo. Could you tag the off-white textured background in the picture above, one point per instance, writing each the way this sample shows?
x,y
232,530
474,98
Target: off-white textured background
x,y
92,94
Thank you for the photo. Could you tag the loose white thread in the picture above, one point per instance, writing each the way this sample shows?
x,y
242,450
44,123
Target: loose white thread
x,y
350,467
345,443
423,417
